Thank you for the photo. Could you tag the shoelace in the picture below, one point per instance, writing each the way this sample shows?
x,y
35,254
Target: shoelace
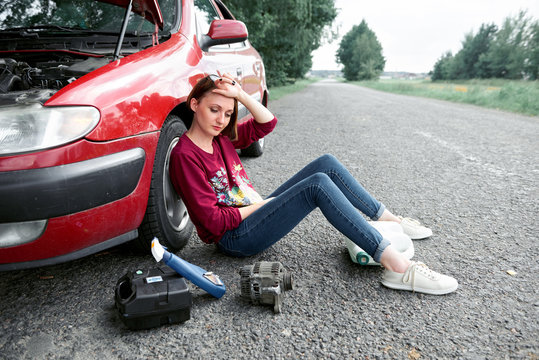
x,y
409,274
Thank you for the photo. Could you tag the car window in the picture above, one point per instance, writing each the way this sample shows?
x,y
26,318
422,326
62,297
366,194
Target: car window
x,y
86,15
169,12
205,13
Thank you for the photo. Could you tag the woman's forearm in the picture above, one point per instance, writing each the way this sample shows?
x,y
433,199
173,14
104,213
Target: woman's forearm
x,y
260,113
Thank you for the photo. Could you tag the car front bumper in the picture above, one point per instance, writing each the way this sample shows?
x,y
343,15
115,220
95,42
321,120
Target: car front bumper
x,y
43,193
88,196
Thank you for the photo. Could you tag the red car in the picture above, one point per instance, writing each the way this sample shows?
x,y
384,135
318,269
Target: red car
x,y
92,100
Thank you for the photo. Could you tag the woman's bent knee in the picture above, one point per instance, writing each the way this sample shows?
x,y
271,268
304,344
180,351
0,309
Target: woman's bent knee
x,y
328,159
320,178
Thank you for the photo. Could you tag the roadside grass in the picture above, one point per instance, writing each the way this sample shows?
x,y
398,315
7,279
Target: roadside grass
x,y
509,95
278,92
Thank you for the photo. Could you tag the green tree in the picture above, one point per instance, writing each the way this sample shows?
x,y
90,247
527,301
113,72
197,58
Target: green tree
x,y
510,52
480,47
466,62
361,54
285,33
507,54
532,59
443,67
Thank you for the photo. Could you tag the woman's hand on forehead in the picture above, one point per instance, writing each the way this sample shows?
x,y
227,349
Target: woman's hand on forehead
x,y
227,86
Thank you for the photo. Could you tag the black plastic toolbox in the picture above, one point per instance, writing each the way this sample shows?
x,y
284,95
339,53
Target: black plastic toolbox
x,y
150,298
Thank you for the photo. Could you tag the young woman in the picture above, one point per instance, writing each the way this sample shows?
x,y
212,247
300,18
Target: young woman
x,y
207,173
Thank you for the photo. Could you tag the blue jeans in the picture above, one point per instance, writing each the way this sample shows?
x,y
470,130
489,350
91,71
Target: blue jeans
x,y
324,183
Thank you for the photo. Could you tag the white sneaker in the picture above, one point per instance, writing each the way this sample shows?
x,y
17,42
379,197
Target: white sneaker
x,y
418,277
414,229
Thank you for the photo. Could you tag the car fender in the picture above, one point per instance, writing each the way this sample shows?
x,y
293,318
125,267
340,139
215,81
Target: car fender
x,y
134,85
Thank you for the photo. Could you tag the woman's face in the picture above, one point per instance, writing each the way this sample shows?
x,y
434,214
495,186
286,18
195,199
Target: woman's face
x,y
213,112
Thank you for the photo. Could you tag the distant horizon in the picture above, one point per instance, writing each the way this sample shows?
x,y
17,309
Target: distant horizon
x,y
415,34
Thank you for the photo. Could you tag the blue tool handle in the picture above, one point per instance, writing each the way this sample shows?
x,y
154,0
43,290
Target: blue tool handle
x,y
193,273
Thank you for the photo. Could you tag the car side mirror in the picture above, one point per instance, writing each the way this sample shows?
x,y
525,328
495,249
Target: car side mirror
x,y
224,32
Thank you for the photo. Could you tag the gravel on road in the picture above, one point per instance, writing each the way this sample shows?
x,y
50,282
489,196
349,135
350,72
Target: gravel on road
x,y
471,174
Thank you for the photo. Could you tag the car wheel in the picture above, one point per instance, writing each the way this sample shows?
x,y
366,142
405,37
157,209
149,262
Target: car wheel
x,y
255,149
166,216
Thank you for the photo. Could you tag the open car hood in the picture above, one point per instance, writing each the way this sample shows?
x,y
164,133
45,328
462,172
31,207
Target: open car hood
x,y
147,8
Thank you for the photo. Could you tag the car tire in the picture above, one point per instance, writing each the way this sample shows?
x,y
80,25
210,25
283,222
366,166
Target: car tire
x,y
166,216
255,149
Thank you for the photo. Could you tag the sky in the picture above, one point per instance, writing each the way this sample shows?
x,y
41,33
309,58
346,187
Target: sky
x,y
414,34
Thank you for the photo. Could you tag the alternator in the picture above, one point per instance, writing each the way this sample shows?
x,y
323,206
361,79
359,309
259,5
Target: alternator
x,y
265,283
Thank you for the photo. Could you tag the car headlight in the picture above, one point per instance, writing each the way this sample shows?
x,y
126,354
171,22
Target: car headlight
x,y
36,127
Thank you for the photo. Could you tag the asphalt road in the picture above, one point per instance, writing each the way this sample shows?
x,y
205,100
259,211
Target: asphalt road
x,y
469,173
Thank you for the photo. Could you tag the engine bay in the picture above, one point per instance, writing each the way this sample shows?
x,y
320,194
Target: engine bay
x,y
52,74
38,78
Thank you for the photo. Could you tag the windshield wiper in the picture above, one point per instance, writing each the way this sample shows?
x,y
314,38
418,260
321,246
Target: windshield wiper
x,y
23,31
35,30
46,27
29,31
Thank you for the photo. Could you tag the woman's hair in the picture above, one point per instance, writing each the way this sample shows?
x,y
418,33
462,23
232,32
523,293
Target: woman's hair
x,y
201,89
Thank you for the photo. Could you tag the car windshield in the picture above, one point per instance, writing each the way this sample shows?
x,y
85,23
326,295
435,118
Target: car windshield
x,y
78,15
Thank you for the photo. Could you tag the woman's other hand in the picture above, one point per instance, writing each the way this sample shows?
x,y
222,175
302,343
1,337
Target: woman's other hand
x,y
228,87
248,210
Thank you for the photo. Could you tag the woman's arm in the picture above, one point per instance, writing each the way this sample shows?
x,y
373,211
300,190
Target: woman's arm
x,y
260,112
189,178
228,87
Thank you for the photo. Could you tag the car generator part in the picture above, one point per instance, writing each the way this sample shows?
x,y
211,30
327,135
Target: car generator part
x,y
206,280
265,283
